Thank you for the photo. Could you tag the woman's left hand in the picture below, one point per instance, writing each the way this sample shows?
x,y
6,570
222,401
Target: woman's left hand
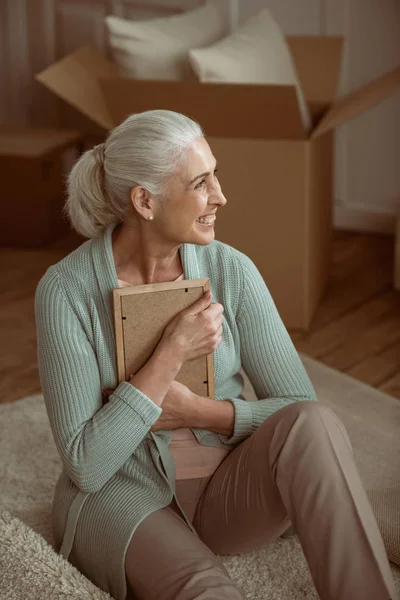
x,y
178,407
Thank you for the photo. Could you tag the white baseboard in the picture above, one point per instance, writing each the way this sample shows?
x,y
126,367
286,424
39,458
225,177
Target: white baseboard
x,y
363,221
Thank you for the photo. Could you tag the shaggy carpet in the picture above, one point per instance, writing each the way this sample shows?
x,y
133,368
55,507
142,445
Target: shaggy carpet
x,y
30,465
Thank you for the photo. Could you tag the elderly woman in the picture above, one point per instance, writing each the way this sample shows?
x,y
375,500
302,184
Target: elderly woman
x,y
157,480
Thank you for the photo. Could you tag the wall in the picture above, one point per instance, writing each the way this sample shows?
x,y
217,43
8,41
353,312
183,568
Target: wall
x,y
368,150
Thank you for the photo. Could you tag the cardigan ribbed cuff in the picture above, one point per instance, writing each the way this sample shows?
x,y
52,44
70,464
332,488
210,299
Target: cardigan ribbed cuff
x,y
148,410
243,424
250,414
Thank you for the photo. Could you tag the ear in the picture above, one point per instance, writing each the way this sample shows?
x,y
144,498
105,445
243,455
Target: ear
x,y
142,201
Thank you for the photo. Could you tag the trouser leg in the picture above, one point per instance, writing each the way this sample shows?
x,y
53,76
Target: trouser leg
x,y
167,561
298,467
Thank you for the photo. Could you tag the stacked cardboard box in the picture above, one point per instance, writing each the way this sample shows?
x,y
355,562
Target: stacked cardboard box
x,y
32,177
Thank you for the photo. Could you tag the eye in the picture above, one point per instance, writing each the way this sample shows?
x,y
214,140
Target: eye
x,y
200,184
203,181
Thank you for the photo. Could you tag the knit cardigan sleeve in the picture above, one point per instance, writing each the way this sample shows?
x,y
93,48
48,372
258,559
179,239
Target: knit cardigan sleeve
x,y
93,441
268,357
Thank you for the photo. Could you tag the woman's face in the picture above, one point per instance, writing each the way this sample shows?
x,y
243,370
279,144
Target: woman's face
x,y
193,192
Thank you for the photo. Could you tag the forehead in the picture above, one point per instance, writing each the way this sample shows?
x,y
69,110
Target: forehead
x,y
198,159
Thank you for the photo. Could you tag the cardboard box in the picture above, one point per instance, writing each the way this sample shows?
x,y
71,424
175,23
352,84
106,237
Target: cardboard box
x,y
32,183
277,180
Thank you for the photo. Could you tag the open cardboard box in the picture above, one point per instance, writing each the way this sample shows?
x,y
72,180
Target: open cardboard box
x,y
277,179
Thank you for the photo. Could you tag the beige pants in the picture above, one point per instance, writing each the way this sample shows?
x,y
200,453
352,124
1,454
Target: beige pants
x,y
296,468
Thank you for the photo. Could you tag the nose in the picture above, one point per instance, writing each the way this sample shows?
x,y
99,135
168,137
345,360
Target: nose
x,y
217,197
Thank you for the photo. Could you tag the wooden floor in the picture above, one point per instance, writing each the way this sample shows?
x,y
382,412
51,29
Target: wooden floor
x,y
356,329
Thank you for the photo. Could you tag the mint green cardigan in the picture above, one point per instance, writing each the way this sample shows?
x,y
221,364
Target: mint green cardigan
x,y
112,477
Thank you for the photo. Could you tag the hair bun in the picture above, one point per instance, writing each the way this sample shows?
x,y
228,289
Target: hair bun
x,y
99,153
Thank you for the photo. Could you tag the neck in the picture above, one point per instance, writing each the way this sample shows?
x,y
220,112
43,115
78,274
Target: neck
x,y
140,255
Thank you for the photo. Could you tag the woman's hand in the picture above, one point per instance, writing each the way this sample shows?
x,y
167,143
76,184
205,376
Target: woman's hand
x,y
178,407
196,331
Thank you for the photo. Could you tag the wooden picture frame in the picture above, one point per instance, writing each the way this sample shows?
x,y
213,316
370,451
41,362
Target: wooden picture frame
x,y
141,314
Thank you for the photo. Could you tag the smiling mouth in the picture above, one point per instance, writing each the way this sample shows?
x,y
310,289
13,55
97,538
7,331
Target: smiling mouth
x,y
209,225
207,220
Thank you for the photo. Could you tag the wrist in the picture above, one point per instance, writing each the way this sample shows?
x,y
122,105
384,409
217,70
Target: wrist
x,y
200,412
169,356
217,416
156,376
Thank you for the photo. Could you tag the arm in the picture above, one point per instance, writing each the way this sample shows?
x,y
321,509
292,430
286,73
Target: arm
x,y
214,415
93,441
156,376
269,359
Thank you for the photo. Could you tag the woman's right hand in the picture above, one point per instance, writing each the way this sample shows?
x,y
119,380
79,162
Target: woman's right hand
x,y
197,330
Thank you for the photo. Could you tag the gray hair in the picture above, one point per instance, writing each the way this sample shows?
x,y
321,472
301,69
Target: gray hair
x,y
144,150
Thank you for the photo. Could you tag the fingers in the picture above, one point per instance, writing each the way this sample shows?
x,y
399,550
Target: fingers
x,y
107,392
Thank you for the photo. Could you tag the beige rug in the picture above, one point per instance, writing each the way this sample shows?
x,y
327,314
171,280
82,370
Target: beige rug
x,y
29,468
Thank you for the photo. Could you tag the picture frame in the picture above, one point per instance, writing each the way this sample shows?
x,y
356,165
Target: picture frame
x,y
141,314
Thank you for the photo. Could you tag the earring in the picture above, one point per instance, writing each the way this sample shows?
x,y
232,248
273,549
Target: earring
x,y
151,218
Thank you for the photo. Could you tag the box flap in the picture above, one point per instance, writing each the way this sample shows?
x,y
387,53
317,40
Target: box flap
x,y
75,79
33,142
355,103
318,60
223,110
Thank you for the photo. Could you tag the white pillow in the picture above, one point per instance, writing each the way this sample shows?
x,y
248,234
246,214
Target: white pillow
x,y
157,49
256,53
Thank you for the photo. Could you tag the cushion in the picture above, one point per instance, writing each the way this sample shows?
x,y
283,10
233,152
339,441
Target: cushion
x,y
256,53
157,48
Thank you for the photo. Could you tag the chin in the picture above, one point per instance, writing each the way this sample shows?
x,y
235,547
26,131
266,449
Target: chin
x,y
206,238
203,243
